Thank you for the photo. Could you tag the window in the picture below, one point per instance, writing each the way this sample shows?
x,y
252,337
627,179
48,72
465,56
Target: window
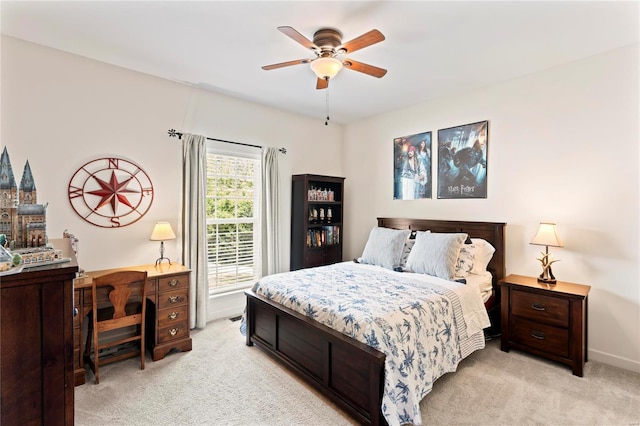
x,y
233,217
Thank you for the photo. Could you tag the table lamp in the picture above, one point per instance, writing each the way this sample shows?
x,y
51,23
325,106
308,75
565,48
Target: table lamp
x,y
162,232
547,236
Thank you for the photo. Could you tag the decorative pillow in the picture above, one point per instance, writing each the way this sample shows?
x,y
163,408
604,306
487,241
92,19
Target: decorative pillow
x,y
483,254
436,254
384,247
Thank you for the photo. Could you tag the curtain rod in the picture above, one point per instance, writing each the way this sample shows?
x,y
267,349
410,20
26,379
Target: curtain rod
x,y
173,134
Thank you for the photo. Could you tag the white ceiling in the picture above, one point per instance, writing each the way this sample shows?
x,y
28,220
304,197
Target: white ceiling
x,y
432,48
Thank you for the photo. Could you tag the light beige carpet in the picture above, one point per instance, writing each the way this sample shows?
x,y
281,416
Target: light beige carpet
x,y
224,382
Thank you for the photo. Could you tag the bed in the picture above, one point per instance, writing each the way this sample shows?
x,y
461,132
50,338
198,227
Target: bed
x,y
348,371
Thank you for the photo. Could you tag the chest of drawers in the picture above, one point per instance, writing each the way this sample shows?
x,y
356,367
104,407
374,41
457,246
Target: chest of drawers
x,y
36,373
545,320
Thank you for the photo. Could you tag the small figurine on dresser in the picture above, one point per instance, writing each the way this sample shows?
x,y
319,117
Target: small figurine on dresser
x,y
75,246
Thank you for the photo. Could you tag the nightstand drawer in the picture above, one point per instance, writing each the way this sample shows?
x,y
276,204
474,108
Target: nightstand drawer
x,y
543,337
537,307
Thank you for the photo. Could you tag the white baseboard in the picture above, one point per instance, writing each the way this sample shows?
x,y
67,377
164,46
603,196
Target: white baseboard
x,y
614,360
226,305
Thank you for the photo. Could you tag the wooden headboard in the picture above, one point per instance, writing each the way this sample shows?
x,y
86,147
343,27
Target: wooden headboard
x,y
493,232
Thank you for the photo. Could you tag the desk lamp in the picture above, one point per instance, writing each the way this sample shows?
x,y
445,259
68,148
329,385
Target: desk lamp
x,y
547,236
162,232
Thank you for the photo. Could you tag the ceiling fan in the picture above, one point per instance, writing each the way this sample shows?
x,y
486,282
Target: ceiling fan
x,y
327,45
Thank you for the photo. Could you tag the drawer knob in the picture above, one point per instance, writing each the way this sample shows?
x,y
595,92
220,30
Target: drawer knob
x,y
174,299
538,306
173,315
537,334
173,282
173,331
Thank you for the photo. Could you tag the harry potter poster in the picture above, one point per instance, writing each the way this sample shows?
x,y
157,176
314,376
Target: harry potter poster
x,y
462,161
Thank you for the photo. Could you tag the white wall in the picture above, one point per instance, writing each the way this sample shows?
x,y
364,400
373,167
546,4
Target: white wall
x,y
563,147
60,111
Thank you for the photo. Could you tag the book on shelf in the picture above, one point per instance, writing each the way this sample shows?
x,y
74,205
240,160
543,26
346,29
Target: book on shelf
x,y
325,236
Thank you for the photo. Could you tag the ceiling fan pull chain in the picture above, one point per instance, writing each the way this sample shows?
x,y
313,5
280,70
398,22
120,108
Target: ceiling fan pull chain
x,y
326,123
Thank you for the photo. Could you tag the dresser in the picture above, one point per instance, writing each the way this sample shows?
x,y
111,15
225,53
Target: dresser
x,y
545,320
36,347
167,322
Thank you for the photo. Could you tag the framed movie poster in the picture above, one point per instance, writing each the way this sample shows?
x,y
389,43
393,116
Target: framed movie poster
x,y
412,172
462,161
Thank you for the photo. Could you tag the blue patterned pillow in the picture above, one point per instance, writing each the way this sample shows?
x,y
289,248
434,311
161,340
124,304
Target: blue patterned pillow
x,y
465,261
408,245
436,254
384,247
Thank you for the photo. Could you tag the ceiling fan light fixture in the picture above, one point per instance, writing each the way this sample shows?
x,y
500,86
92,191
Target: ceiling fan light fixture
x,y
326,67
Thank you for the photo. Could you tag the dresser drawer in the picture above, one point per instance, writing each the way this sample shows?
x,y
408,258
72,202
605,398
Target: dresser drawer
x,y
173,332
537,307
172,315
173,283
554,340
172,298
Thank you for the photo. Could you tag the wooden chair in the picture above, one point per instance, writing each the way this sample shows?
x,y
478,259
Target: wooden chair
x,y
126,292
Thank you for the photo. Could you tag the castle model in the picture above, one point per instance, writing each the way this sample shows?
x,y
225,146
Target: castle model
x,y
22,220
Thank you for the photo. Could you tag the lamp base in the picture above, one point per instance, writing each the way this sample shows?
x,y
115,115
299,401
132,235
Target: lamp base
x,y
546,280
547,276
160,259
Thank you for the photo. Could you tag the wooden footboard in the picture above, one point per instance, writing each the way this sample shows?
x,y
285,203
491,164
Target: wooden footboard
x,y
349,373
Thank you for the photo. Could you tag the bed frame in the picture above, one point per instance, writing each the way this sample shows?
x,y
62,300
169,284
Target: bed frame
x,y
348,372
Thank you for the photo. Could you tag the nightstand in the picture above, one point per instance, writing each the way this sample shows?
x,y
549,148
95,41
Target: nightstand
x,y
546,320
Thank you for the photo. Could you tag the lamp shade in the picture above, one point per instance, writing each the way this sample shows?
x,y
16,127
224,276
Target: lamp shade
x,y
162,231
547,236
326,67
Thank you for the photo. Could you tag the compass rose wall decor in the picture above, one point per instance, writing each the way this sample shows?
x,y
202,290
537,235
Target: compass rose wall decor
x,y
110,192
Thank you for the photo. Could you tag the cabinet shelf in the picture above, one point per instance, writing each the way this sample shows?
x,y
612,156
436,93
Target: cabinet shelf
x,y
319,242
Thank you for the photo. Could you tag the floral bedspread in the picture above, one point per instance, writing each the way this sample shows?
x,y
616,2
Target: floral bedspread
x,y
417,321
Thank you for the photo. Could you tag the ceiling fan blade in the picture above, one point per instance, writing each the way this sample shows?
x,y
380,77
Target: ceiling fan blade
x,y
289,31
286,64
366,39
364,68
322,83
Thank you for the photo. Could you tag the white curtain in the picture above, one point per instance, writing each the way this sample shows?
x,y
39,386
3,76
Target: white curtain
x,y
194,232
270,208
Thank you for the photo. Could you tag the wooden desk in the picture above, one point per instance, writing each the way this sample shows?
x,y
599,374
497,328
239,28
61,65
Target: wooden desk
x,y
167,325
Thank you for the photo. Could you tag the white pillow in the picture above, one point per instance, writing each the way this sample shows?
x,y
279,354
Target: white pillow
x,y
384,247
436,254
483,254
